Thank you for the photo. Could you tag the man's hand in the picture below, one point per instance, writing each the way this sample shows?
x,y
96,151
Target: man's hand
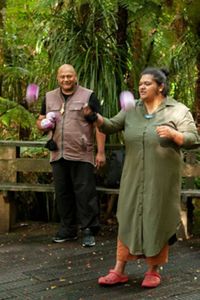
x,y
48,122
100,160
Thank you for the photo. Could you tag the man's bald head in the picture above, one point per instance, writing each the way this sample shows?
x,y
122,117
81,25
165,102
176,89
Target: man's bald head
x,y
66,68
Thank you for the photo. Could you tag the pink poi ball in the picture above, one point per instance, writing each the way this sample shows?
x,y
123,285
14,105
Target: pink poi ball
x,y
47,124
127,101
32,93
52,116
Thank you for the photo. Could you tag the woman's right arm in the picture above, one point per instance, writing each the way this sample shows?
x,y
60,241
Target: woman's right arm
x,y
106,125
112,125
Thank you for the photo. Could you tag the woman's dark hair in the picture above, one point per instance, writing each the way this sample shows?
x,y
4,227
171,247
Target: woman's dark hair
x,y
160,76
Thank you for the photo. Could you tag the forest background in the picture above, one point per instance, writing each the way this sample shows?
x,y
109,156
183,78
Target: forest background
x,y
109,42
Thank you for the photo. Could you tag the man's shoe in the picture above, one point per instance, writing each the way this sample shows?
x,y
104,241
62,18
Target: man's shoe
x,y
88,238
62,239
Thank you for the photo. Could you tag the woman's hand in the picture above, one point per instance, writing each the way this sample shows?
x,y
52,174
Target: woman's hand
x,y
91,116
87,110
165,131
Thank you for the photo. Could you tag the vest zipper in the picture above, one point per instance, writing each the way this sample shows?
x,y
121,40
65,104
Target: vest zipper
x,y
63,122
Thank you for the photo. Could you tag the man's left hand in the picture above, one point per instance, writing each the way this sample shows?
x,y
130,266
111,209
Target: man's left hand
x,y
100,160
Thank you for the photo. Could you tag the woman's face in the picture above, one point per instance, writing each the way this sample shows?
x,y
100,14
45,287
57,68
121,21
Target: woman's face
x,y
148,88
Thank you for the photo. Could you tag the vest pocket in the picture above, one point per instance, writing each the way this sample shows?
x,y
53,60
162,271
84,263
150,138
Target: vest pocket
x,y
75,110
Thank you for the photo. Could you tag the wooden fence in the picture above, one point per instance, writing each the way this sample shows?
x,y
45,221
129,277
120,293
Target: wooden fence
x,y
18,157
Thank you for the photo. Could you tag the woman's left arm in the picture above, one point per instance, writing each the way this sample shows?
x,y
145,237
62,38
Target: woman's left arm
x,y
186,133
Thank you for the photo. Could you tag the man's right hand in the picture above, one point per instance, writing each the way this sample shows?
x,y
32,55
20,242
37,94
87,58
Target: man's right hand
x,y
46,123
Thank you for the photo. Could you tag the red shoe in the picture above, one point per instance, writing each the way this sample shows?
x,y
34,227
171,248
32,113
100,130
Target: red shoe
x,y
151,279
112,278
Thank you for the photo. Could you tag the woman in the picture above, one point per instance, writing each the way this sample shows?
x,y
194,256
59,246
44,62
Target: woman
x,y
148,205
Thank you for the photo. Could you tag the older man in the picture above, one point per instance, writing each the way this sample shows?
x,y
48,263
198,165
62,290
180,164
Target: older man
x,y
72,155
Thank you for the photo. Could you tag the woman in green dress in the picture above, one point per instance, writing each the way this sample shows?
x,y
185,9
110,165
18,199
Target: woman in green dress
x,y
148,210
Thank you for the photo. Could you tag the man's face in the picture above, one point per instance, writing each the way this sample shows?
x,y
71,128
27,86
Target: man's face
x,y
67,79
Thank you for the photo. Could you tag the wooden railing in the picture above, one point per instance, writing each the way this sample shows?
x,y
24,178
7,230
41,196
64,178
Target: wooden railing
x,y
18,157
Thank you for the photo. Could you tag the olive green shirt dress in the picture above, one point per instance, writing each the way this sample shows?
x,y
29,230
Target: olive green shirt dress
x,y
148,210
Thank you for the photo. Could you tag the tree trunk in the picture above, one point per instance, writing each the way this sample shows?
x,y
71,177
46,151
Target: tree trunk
x,y
2,17
122,36
197,88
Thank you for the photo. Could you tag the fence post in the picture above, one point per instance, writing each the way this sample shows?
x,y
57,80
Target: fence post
x,y
7,174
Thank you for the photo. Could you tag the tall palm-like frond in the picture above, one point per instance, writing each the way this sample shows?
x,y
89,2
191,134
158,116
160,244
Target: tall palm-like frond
x,y
88,41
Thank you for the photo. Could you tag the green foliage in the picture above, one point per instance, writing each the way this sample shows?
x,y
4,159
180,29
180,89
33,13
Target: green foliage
x,y
32,152
14,117
41,35
84,35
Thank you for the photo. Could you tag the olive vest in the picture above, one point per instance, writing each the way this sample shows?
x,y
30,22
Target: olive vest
x,y
73,135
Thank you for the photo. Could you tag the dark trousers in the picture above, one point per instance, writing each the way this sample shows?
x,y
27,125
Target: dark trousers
x,y
76,196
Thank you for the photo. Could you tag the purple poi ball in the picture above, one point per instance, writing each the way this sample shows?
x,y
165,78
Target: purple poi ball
x,y
47,124
127,101
32,93
53,116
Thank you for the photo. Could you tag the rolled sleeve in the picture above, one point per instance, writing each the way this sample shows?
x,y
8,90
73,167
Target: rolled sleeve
x,y
188,128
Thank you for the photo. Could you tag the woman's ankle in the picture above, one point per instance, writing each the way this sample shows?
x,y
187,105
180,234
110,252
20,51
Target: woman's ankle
x,y
153,269
120,267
